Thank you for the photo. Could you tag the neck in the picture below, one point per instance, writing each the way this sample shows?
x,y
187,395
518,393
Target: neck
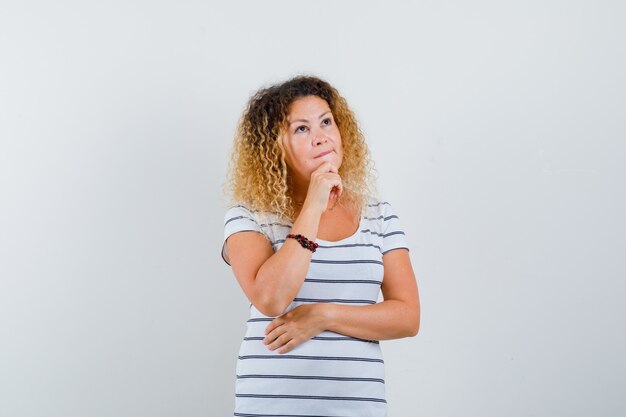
x,y
299,192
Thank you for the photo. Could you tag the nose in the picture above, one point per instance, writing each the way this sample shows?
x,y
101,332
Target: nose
x,y
319,137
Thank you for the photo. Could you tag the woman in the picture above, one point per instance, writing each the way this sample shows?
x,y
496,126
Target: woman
x,y
311,249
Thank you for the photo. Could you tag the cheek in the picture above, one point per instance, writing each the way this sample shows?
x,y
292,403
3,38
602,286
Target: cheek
x,y
338,138
340,144
290,150
298,156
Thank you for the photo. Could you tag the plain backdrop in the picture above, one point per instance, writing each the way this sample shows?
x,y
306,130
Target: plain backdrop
x,y
498,133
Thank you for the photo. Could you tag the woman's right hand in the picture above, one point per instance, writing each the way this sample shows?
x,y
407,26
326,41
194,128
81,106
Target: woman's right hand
x,y
324,185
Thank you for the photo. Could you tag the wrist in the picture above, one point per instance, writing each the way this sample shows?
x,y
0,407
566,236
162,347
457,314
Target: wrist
x,y
327,313
312,209
304,241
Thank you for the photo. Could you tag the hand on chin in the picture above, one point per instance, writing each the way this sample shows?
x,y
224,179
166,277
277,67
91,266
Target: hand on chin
x,y
330,158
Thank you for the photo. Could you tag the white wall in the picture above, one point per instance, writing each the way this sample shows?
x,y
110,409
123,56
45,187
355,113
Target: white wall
x,y
498,132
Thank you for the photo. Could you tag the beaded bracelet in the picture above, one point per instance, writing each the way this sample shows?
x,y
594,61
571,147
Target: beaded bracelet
x,y
306,243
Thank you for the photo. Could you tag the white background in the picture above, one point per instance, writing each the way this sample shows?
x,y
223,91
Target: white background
x,y
498,133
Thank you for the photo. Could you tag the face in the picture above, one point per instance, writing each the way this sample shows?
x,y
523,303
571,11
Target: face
x,y
312,137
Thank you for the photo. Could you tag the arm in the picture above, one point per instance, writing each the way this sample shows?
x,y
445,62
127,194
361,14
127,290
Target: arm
x,y
270,279
396,317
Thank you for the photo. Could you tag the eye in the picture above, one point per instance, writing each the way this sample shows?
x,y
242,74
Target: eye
x,y
301,129
327,122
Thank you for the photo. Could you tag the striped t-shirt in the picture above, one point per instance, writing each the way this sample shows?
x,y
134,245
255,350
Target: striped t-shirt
x,y
331,374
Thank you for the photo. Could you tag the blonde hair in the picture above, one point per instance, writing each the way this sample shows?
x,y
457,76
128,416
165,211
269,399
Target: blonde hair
x,y
258,175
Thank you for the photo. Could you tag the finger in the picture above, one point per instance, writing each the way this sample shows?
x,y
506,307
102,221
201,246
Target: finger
x,y
274,324
288,346
327,167
280,340
274,334
337,190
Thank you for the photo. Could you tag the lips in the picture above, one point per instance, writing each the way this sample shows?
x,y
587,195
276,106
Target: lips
x,y
324,153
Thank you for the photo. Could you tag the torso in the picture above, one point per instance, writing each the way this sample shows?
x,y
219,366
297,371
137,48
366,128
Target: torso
x,y
350,273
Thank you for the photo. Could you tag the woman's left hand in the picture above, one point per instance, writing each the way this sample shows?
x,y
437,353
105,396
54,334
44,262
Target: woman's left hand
x,y
295,327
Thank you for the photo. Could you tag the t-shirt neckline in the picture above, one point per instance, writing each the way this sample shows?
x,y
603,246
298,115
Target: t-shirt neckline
x,y
358,230
352,236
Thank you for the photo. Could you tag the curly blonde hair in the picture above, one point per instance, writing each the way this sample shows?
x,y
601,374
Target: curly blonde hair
x,y
258,175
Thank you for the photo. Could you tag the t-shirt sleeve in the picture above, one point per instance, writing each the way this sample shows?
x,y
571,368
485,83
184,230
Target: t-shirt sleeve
x,y
393,232
239,219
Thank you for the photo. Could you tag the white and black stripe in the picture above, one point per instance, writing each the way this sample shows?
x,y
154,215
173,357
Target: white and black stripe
x,y
339,374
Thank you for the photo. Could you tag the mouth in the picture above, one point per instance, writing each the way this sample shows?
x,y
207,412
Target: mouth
x,y
324,153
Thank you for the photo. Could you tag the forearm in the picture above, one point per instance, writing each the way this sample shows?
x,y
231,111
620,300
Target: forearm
x,y
389,319
280,278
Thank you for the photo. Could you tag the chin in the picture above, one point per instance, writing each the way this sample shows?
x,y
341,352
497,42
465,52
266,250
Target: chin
x,y
331,157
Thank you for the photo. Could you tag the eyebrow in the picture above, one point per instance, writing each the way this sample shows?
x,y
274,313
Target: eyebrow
x,y
306,121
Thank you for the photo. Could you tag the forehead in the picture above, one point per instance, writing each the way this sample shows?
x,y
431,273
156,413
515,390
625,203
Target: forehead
x,y
311,106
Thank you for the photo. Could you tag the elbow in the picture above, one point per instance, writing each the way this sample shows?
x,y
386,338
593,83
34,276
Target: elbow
x,y
271,307
269,311
268,301
414,327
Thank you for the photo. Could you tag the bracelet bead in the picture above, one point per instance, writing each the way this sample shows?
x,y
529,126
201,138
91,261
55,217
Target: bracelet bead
x,y
304,242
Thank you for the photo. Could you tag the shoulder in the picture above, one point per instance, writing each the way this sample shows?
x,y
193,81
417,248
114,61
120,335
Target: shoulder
x,y
381,215
384,224
238,211
262,218
240,217
376,207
